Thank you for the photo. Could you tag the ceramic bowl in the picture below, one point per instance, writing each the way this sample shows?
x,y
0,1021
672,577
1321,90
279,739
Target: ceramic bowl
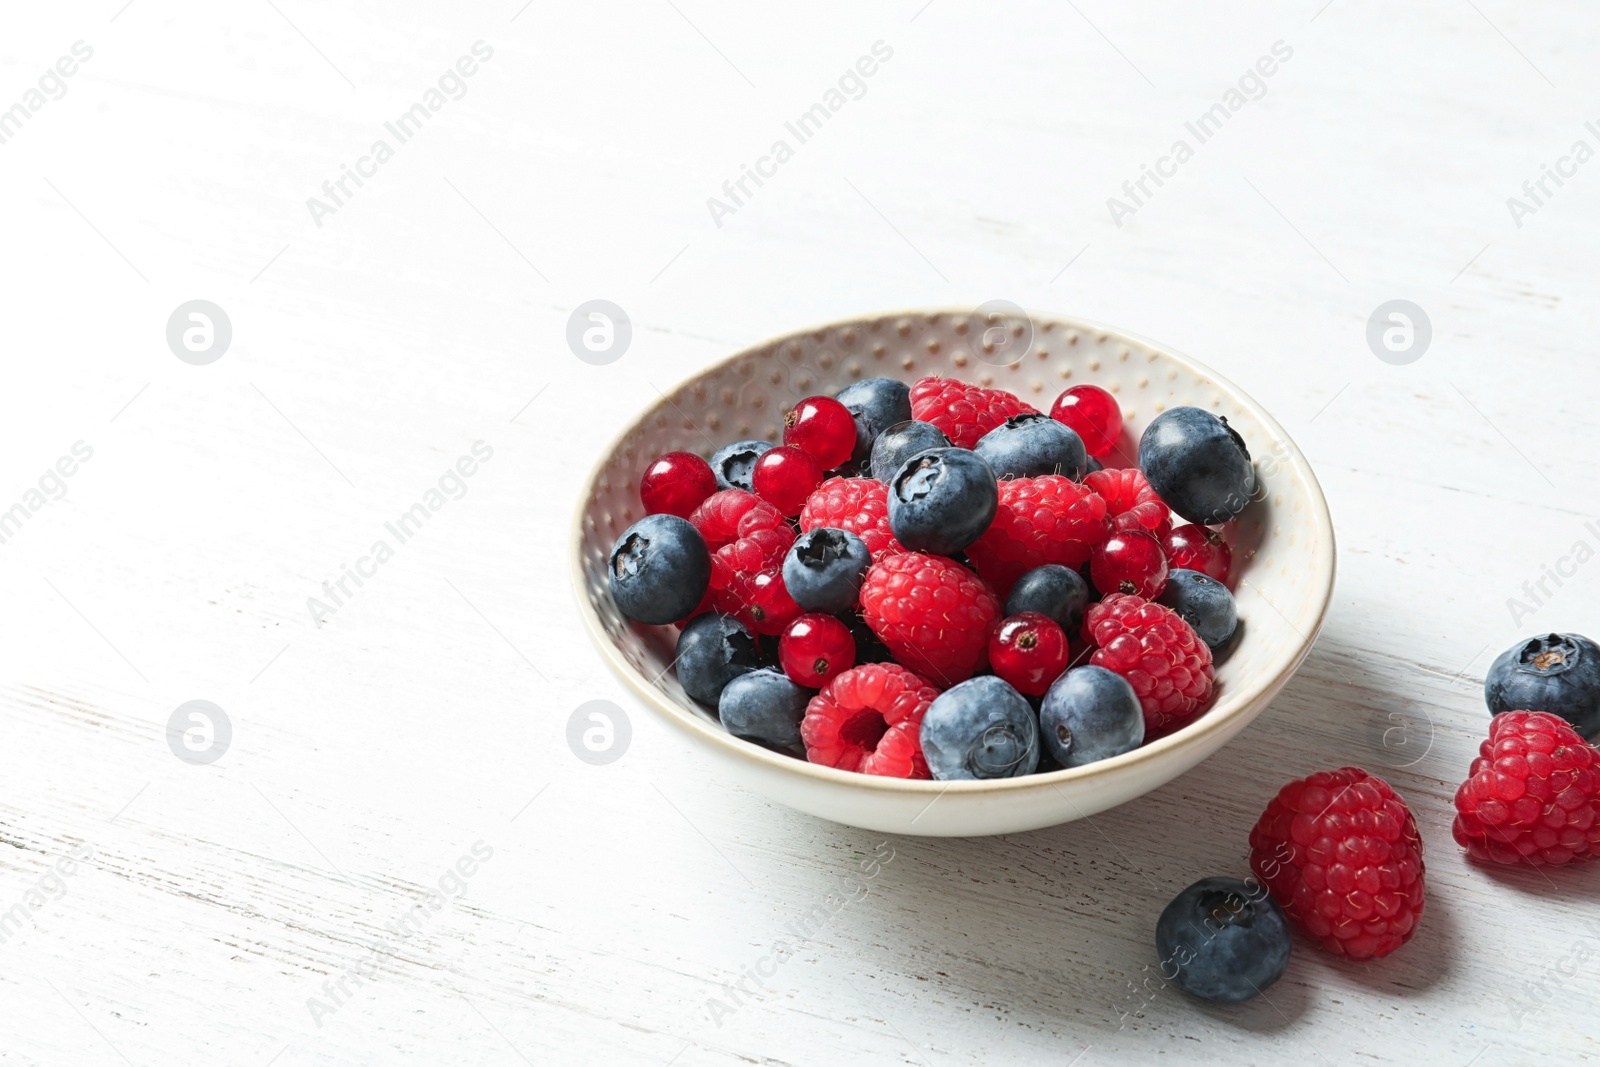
x,y
1283,547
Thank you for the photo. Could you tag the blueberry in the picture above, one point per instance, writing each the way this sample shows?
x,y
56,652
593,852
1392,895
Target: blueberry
x,y
900,442
1202,602
712,650
1223,940
942,500
824,568
1558,673
1028,445
1054,590
734,464
980,728
1092,466
659,570
765,707
876,404
1197,464
1090,714
869,646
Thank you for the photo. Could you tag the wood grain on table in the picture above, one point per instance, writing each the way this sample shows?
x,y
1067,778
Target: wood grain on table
x,y
398,857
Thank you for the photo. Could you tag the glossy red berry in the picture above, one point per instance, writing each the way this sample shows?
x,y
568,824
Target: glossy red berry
x,y
1129,561
823,427
1029,651
1094,414
785,477
676,483
768,606
814,648
1199,548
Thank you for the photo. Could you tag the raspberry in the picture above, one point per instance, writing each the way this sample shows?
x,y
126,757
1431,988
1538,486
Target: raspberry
x,y
964,412
1158,653
855,505
1533,795
1339,851
933,614
747,536
1130,501
1048,519
730,516
869,719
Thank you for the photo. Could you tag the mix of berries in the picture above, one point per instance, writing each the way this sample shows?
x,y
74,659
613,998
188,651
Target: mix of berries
x,y
938,581
1337,854
941,545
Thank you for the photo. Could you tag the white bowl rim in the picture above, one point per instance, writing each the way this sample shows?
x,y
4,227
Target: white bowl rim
x,y
1238,702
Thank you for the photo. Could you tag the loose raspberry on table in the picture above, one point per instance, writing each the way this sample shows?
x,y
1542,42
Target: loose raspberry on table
x,y
964,412
747,536
869,719
1158,653
855,505
1340,853
1533,794
934,615
1048,519
1130,501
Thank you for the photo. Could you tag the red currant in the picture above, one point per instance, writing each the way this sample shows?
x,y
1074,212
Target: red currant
x,y
823,427
676,483
1129,561
785,476
814,648
1094,414
768,607
1199,548
1029,651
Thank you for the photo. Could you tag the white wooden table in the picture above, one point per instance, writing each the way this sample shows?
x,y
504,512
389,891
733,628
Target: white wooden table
x,y
223,907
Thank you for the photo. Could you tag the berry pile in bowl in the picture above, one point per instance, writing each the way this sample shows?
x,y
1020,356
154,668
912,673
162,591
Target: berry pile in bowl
x,y
955,573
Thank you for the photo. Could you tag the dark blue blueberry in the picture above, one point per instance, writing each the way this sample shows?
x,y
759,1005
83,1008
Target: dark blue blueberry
x,y
876,404
1054,590
824,568
659,570
942,500
734,464
869,646
899,443
1028,445
980,728
765,707
712,650
1202,602
1558,673
1197,464
1090,714
1092,466
1222,939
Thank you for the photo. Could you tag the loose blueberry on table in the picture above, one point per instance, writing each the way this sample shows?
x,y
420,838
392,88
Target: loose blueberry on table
x,y
1558,673
1223,940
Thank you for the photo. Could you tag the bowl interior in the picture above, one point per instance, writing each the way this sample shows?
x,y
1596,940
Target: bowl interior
x,y
1282,543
